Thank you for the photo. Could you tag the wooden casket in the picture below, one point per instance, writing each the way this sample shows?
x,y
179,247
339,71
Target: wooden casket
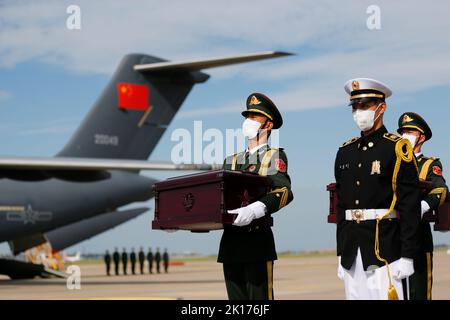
x,y
441,218
199,202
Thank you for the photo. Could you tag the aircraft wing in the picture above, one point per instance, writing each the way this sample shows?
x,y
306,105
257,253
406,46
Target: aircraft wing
x,y
66,163
195,65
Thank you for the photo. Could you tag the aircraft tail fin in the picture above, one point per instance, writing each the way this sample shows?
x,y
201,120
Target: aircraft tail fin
x,y
132,113
137,105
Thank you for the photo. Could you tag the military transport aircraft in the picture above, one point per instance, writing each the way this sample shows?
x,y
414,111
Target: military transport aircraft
x,y
48,204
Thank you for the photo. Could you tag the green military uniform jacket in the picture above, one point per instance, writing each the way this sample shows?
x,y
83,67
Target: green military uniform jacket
x,y
249,244
430,169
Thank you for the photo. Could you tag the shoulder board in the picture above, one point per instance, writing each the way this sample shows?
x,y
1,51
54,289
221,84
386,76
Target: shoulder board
x,y
392,137
349,142
276,149
235,154
433,158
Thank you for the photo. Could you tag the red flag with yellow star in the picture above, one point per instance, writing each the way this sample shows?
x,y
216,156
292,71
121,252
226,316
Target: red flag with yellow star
x,y
133,96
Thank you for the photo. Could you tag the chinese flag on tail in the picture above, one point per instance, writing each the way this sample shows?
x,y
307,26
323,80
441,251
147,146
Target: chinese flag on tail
x,y
133,96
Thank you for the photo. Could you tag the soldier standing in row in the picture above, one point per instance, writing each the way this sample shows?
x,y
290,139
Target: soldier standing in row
x,y
166,260
150,260
158,260
107,259
414,128
116,259
141,257
124,261
379,201
133,261
247,248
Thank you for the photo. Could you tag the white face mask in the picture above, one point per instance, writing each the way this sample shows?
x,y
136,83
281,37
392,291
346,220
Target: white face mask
x,y
250,128
412,139
365,119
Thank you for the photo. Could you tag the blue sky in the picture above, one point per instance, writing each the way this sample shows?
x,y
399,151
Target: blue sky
x,y
50,77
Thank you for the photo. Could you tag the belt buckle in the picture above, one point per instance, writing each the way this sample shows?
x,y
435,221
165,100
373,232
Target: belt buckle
x,y
357,215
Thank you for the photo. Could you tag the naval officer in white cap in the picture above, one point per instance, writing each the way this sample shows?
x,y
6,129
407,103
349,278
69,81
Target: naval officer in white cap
x,y
379,201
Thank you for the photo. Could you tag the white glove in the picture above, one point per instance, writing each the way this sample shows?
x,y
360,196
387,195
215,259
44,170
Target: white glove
x,y
404,268
247,214
425,207
340,270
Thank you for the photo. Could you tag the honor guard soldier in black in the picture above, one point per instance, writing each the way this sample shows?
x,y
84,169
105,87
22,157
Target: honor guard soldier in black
x,y
379,201
414,128
247,248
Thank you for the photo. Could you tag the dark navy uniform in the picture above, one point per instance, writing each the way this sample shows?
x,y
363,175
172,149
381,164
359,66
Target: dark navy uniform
x,y
430,169
247,252
378,201
158,260
364,170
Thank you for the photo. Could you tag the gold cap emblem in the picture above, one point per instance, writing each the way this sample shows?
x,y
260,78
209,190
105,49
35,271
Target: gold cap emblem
x,y
355,85
254,100
407,118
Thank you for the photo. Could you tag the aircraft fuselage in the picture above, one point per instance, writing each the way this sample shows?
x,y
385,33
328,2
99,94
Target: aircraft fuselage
x,y
53,200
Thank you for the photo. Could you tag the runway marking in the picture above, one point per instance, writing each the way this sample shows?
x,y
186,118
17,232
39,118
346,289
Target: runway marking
x,y
132,298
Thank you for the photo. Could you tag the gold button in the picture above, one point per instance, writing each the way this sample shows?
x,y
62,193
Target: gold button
x,y
359,165
370,144
356,202
358,183
364,148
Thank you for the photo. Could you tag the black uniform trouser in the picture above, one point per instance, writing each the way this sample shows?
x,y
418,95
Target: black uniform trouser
x,y
133,267
141,263
157,266
116,268
124,263
249,281
108,267
166,267
150,266
421,282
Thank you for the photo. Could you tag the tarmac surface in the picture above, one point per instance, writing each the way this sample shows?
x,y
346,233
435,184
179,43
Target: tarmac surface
x,y
308,277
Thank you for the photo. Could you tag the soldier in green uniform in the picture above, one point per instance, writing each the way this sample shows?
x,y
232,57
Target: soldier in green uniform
x,y
247,248
414,128
166,261
133,261
107,259
141,256
116,261
124,261
150,260
158,260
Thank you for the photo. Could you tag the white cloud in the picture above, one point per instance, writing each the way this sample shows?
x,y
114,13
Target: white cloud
x,y
64,125
409,53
